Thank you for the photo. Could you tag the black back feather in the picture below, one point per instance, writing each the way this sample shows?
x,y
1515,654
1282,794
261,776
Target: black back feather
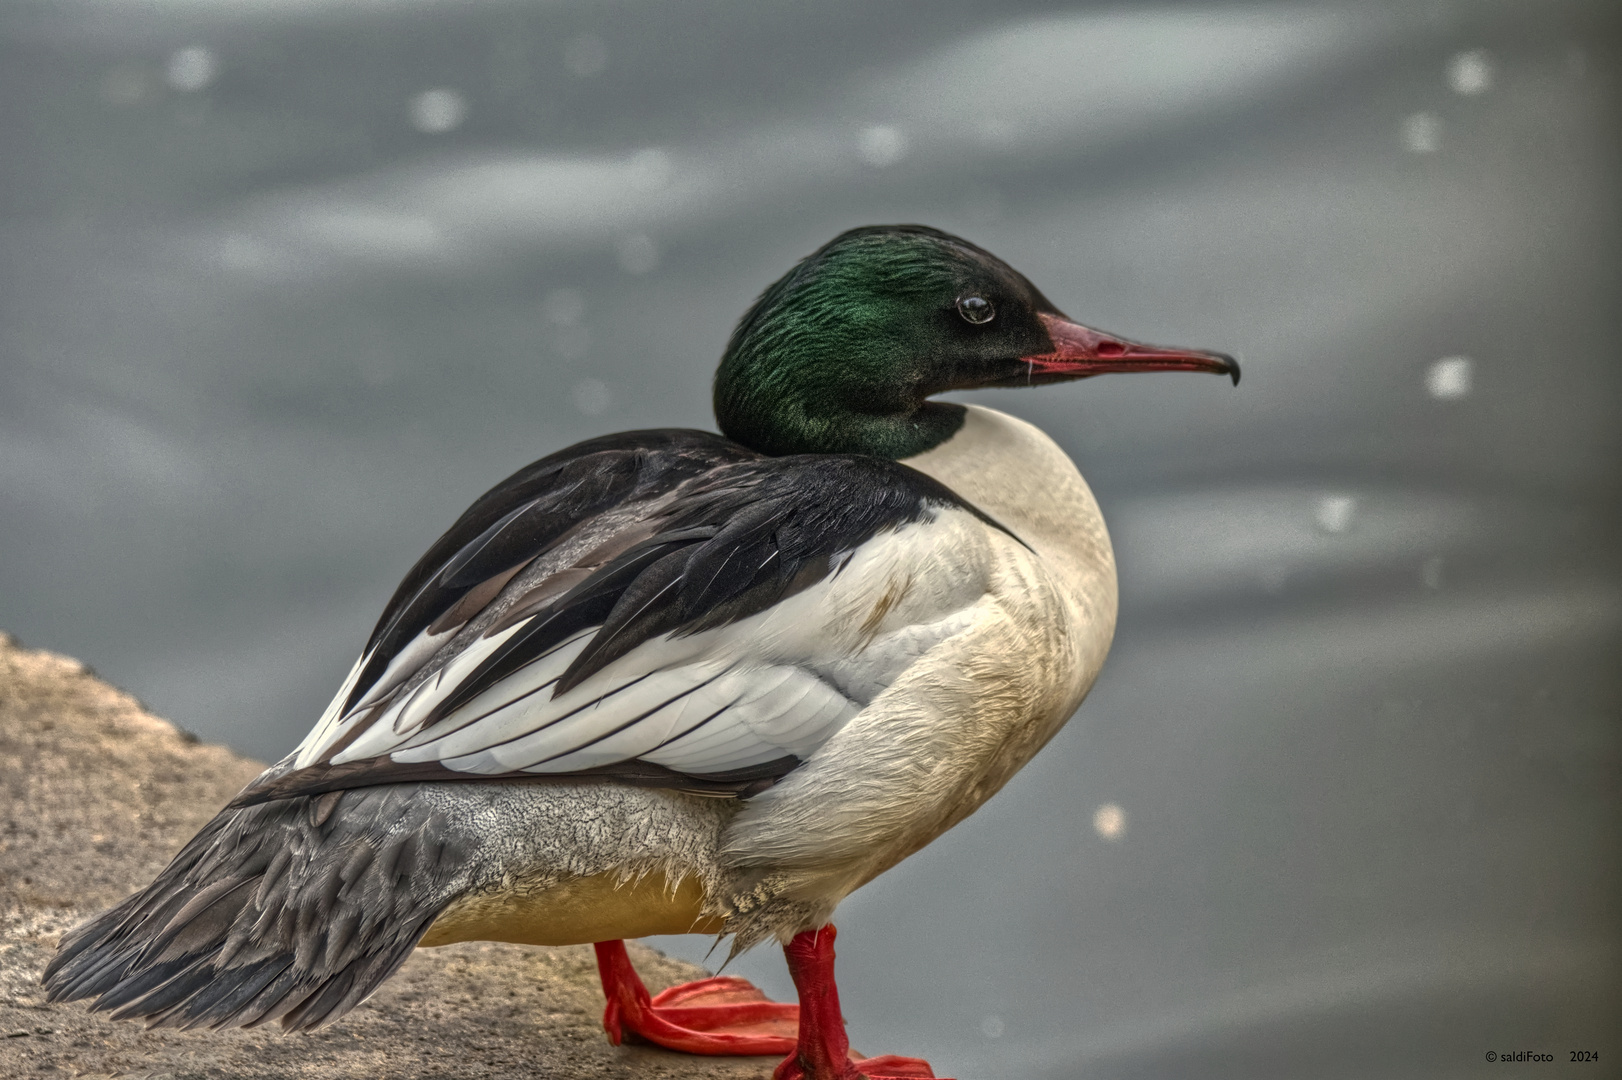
x,y
527,513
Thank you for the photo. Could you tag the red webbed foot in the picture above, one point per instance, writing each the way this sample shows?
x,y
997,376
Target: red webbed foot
x,y
730,1016
719,1016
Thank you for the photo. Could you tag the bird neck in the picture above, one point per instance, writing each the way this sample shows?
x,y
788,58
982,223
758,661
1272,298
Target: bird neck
x,y
792,424
1018,475
826,365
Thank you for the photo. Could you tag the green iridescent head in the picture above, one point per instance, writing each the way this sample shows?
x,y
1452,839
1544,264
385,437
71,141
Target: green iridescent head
x,y
843,353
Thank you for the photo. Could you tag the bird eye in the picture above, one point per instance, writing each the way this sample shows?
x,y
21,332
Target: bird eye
x,y
976,309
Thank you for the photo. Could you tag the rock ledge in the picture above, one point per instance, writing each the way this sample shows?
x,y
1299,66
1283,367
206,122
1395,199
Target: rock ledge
x,y
96,794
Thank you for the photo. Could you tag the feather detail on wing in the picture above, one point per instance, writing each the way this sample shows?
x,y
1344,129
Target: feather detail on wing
x,y
670,610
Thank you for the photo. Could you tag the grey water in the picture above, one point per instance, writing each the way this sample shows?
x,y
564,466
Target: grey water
x,y
284,284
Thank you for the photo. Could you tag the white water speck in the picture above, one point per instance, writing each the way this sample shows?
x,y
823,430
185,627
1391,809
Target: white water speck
x,y
585,55
1109,821
191,69
1422,133
437,111
882,145
1334,513
992,1027
1450,378
591,396
1470,73
637,253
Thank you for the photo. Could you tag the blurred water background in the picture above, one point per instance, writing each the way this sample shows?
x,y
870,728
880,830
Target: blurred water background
x,y
284,284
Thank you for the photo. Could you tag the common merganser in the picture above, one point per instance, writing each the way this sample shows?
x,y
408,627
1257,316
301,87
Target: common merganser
x,y
672,682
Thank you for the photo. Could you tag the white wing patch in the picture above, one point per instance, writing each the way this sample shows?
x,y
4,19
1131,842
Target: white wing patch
x,y
777,683
328,729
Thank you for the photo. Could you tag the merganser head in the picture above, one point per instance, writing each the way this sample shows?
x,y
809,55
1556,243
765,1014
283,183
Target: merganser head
x,y
842,353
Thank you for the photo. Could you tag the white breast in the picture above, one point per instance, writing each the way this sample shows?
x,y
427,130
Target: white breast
x,y
1013,471
974,704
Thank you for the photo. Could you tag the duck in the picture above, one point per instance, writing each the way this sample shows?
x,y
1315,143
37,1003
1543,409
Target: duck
x,y
673,681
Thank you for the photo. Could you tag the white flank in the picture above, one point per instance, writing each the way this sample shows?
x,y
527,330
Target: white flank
x,y
778,683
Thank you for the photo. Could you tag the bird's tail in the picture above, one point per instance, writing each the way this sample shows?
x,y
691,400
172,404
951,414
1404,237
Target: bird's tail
x,y
293,910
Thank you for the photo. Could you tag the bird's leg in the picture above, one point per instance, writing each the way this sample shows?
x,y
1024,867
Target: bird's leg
x,y
822,1050
728,1015
723,1015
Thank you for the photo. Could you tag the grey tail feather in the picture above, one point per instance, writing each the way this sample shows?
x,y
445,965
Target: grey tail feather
x,y
293,910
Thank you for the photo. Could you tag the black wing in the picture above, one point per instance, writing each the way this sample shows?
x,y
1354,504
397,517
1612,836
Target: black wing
x,y
521,517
